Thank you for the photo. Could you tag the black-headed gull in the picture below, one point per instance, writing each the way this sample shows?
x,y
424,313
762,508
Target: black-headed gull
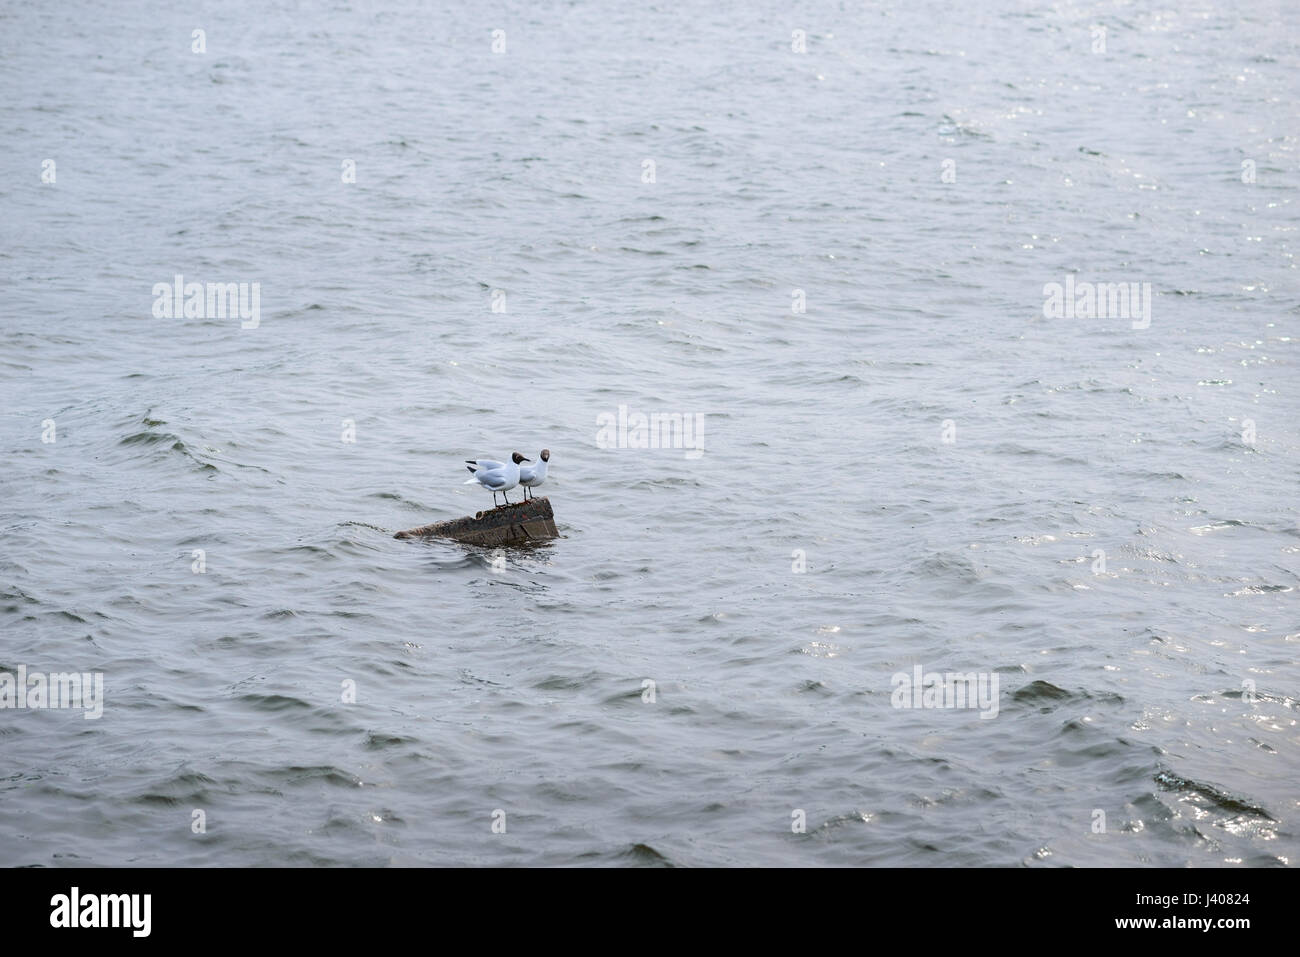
x,y
496,476
531,476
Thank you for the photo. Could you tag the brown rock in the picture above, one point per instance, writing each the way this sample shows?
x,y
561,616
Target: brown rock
x,y
528,521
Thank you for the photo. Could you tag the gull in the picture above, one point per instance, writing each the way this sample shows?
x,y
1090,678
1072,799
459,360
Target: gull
x,y
531,476
496,476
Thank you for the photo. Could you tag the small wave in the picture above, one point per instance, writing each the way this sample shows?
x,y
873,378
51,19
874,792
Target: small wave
x,y
323,772
1218,526
153,438
1041,691
1259,590
645,856
274,702
1168,781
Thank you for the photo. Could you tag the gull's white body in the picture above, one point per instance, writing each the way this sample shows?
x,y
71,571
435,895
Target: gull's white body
x,y
534,474
495,476
531,476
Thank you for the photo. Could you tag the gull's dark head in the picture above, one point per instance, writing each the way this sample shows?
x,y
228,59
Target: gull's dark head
x,y
546,455
518,457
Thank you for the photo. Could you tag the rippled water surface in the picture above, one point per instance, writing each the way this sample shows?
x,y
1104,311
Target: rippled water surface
x,y
1101,534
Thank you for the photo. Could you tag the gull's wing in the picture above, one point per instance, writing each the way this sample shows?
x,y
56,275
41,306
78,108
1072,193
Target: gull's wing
x,y
494,479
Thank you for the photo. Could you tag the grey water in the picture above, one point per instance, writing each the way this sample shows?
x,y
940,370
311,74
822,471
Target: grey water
x,y
823,235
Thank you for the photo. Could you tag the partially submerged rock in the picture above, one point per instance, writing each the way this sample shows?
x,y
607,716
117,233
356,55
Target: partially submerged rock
x,y
528,521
